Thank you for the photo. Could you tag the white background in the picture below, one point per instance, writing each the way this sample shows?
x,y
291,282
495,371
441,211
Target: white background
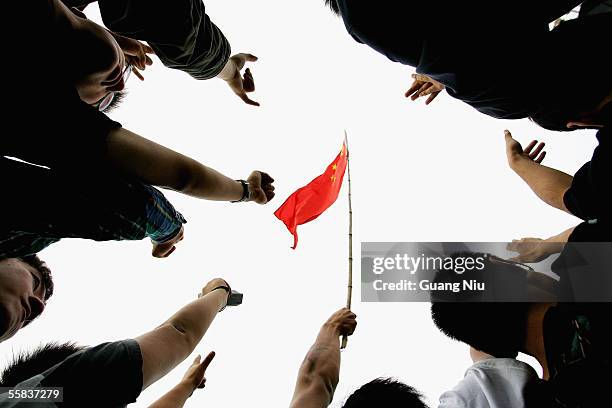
x,y
435,173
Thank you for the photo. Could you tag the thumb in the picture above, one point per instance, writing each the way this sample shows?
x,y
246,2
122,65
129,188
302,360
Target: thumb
x,y
197,360
250,57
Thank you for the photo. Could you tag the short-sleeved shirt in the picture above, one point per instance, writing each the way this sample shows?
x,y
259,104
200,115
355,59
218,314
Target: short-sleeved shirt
x,y
78,194
45,207
108,375
491,383
584,264
590,195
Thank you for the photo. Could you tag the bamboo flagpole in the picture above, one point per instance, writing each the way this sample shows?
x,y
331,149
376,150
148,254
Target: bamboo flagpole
x,y
349,295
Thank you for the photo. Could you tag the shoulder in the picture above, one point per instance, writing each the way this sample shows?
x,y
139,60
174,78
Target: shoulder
x,y
493,367
490,382
109,366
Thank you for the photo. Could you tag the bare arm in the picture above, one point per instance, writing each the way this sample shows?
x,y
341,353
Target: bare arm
x,y
157,165
320,371
175,398
531,250
547,183
168,345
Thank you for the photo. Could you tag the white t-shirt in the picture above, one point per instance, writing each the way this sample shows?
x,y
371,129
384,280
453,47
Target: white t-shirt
x,y
491,383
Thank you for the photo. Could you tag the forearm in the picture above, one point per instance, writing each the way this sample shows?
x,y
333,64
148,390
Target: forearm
x,y
547,183
175,398
133,155
172,342
556,243
319,373
194,319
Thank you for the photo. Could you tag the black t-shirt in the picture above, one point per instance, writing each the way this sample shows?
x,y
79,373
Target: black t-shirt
x,y
498,57
590,195
106,376
46,207
585,264
46,122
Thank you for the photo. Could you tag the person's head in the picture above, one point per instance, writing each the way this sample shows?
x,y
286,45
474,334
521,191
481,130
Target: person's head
x,y
99,63
385,392
26,365
579,113
333,5
497,328
25,287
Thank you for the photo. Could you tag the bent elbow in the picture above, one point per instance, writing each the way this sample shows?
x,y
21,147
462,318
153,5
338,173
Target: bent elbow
x,y
184,178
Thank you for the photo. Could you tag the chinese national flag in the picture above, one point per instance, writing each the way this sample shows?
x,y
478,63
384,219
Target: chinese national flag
x,y
310,201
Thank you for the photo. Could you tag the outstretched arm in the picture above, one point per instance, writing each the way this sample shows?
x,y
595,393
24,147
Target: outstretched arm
x,y
157,165
547,183
168,345
320,370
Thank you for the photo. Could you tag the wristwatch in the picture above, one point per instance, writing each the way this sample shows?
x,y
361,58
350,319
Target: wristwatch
x,y
246,193
229,292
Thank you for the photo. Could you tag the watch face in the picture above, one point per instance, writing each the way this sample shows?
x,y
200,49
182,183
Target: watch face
x,y
247,191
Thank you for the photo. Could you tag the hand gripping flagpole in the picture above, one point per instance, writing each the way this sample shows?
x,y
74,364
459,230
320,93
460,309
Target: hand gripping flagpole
x,y
349,295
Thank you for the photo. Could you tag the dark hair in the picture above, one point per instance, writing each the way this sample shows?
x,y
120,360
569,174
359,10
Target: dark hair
x,y
333,5
29,364
35,262
385,392
496,328
117,100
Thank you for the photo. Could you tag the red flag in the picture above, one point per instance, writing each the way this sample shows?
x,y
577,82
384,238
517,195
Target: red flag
x,y
310,201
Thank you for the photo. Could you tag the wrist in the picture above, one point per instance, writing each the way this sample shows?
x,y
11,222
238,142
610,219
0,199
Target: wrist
x,y
228,70
329,329
186,386
243,192
552,245
515,160
220,295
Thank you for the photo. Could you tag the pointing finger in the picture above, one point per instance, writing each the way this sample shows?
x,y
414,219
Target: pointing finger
x,y
209,358
248,100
